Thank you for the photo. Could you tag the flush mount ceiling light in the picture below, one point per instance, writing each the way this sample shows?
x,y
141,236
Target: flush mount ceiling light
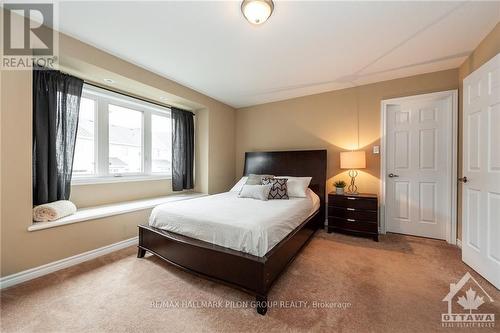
x,y
257,11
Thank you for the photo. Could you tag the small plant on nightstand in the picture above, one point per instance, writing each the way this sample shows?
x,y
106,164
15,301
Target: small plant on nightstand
x,y
339,186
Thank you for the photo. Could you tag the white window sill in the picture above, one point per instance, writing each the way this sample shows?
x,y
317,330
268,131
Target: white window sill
x,y
123,179
97,212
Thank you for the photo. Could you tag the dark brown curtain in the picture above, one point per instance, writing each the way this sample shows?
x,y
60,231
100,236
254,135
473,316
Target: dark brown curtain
x,y
182,149
56,104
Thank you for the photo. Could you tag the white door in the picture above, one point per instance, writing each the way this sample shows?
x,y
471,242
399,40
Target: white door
x,y
419,155
481,166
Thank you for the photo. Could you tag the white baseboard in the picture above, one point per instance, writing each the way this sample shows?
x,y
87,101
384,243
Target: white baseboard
x,y
459,243
33,273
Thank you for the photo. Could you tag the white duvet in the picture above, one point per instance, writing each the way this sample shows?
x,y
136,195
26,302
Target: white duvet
x,y
242,224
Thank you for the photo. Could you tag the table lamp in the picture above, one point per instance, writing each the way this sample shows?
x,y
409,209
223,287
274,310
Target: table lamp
x,y
353,160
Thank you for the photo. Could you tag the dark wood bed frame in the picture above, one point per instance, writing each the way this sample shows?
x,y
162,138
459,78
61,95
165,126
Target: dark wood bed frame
x,y
249,273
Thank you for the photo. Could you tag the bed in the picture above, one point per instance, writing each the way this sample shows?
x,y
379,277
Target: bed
x,y
242,224
243,243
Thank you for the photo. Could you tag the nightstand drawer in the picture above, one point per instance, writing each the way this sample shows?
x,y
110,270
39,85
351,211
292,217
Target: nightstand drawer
x,y
354,225
352,213
352,202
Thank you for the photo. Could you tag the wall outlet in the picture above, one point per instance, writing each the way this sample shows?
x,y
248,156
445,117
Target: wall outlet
x,y
376,150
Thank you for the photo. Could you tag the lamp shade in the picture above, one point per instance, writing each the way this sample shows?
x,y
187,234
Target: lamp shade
x,y
352,160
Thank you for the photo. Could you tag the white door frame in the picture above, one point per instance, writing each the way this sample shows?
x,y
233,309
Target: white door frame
x,y
451,227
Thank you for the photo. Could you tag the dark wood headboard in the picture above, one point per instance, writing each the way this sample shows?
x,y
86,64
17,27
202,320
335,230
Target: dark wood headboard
x,y
298,163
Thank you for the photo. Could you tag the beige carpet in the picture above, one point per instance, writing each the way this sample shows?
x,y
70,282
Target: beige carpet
x,y
396,285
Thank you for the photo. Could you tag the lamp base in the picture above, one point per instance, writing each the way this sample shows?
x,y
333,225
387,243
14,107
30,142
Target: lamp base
x,y
353,189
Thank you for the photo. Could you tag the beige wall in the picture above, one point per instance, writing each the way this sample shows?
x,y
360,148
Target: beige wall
x,y
487,49
20,249
329,120
100,194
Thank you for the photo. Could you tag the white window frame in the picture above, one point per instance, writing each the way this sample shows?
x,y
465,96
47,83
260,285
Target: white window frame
x,y
103,98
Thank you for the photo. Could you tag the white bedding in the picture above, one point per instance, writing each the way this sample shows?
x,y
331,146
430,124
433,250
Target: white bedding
x,y
242,224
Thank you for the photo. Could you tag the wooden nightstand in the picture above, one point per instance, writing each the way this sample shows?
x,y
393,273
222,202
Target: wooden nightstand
x,y
353,214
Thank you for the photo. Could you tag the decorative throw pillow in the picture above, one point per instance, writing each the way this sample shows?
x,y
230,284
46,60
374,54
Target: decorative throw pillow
x,y
278,189
239,185
297,186
259,192
256,179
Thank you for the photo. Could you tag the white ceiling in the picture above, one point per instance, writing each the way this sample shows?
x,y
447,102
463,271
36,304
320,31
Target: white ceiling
x,y
305,47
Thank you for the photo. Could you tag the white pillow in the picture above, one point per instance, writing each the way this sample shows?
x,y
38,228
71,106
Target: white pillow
x,y
297,186
239,185
260,192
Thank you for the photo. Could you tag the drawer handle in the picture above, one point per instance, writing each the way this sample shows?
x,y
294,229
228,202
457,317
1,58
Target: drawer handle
x,y
350,198
351,209
351,220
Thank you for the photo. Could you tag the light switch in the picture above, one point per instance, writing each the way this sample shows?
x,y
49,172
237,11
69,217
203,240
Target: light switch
x,y
376,150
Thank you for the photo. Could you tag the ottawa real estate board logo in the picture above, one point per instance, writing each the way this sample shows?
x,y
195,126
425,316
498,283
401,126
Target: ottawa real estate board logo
x,y
464,301
28,36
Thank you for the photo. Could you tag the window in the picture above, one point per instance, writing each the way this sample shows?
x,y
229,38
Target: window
x,y
161,141
125,140
84,158
119,136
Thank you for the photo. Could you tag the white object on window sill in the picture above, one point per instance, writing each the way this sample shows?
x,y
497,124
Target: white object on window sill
x,y
111,179
92,213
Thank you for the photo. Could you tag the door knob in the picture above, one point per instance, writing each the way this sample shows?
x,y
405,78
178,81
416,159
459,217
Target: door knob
x,y
391,175
463,179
